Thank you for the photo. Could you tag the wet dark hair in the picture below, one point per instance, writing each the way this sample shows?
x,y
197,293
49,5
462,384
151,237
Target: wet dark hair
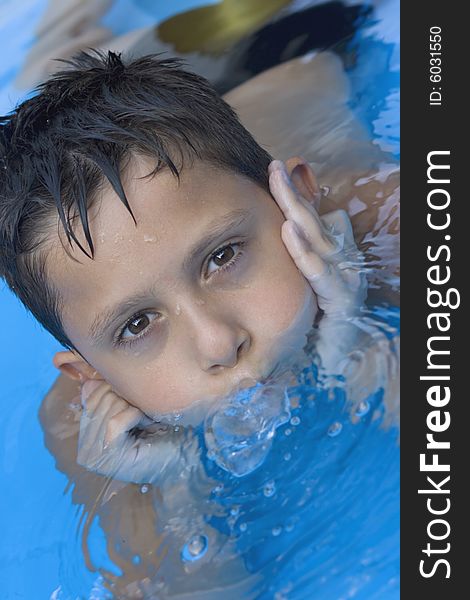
x,y
81,130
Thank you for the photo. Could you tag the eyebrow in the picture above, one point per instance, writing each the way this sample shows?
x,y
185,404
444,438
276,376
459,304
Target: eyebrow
x,y
110,315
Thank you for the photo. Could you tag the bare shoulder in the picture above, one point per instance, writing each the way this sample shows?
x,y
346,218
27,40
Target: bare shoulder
x,y
302,107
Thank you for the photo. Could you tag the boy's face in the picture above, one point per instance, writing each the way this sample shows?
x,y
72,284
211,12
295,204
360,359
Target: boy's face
x,y
200,297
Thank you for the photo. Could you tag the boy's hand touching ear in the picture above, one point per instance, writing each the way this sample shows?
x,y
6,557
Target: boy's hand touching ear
x,y
324,250
118,440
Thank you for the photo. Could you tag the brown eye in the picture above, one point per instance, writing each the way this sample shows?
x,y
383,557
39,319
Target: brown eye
x,y
223,255
138,324
138,327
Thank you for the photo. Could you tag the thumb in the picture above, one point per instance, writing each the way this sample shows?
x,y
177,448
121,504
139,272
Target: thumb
x,y
88,387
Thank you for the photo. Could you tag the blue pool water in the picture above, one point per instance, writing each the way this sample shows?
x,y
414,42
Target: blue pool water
x,y
318,520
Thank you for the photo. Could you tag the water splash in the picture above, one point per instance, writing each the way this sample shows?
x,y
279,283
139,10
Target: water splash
x,y
239,431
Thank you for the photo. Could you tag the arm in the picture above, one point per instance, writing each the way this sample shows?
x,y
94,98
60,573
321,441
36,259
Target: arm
x,y
153,525
302,107
348,343
126,515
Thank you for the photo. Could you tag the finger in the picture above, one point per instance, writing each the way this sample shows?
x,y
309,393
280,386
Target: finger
x,y
323,278
111,405
338,222
121,423
110,442
294,209
92,423
92,391
115,448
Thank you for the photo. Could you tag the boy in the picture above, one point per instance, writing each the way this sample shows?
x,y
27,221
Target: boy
x,y
158,316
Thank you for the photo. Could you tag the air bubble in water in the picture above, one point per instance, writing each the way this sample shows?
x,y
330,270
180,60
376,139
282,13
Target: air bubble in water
x,y
269,489
287,456
195,548
295,421
144,488
243,527
276,530
335,429
288,431
289,526
362,408
239,430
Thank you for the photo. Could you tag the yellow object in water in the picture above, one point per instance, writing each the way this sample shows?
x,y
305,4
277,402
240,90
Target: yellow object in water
x,y
212,29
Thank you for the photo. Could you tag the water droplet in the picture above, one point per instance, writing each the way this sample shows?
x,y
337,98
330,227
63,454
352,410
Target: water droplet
x,y
287,456
289,526
276,530
235,511
144,488
335,429
136,559
295,421
362,408
288,431
243,527
195,548
269,489
176,428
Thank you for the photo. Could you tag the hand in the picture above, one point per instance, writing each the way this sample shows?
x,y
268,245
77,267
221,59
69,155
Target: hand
x,y
324,250
118,440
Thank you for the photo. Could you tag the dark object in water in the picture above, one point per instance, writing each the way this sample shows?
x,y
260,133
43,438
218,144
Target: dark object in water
x,y
314,28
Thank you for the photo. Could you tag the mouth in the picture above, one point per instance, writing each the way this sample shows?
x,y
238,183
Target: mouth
x,y
248,382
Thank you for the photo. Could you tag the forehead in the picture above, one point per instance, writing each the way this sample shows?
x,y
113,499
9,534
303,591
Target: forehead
x,y
160,202
169,216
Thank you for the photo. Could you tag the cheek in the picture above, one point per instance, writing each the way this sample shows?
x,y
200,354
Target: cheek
x,y
291,312
284,295
157,388
284,303
145,390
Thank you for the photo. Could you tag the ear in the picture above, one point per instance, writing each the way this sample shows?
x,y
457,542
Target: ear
x,y
304,179
74,366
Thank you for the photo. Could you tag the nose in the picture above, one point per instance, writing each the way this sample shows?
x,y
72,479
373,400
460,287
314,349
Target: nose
x,y
219,341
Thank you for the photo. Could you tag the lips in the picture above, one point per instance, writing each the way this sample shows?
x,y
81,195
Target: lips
x,y
252,381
